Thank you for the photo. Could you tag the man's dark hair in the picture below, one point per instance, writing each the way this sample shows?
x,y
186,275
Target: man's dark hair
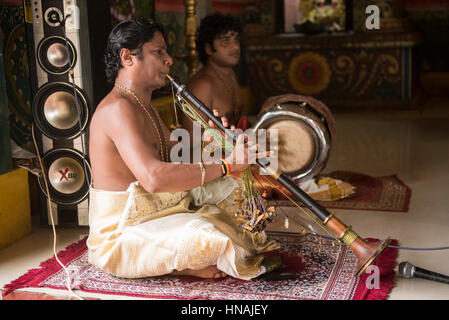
x,y
129,34
211,27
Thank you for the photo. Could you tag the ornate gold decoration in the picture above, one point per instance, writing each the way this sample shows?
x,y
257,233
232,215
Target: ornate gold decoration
x,y
270,72
309,73
344,68
191,26
320,12
371,70
349,236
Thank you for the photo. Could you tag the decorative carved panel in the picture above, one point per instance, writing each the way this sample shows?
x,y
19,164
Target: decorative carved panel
x,y
349,69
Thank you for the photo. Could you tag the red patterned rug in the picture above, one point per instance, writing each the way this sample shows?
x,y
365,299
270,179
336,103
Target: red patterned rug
x,y
324,273
387,193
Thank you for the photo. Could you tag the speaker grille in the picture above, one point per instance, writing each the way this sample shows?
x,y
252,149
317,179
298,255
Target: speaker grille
x,y
55,111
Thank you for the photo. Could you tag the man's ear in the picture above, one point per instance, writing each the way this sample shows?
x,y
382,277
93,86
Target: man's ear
x,y
126,57
208,49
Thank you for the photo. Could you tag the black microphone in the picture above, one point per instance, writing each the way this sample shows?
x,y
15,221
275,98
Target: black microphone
x,y
408,270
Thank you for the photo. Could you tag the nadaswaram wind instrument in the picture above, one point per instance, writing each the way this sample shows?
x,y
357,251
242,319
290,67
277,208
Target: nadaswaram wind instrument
x,y
366,252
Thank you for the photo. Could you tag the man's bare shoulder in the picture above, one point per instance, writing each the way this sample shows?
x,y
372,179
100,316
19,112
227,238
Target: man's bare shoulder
x,y
114,112
115,108
202,80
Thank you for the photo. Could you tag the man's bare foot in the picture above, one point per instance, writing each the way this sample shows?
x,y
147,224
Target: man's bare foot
x,y
208,272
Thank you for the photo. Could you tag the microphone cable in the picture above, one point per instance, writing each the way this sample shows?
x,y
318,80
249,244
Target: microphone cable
x,y
419,249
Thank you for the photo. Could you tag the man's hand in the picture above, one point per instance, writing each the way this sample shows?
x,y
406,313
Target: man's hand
x,y
224,120
244,155
207,137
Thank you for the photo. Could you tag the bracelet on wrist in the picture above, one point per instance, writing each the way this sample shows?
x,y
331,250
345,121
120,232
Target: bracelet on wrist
x,y
203,173
225,168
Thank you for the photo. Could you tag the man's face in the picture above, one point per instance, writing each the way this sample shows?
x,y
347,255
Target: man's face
x,y
227,49
154,63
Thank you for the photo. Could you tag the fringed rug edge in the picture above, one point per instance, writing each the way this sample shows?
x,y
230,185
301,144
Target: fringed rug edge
x,y
33,277
387,274
408,194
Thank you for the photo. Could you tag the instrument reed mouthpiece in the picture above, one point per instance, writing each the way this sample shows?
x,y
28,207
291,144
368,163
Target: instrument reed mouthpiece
x,y
174,83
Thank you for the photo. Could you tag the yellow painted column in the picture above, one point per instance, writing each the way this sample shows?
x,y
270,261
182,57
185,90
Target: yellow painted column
x,y
15,212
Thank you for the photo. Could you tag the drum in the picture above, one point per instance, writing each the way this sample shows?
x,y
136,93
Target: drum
x,y
305,131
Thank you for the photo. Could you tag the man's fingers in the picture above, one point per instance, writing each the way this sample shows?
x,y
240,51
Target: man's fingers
x,y
240,139
264,154
253,147
207,136
224,120
252,143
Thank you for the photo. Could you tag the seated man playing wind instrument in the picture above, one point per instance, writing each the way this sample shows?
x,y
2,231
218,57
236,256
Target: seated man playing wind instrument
x,y
149,216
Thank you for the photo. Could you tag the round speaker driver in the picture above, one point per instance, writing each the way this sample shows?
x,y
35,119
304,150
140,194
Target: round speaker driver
x,y
56,113
66,178
56,55
60,110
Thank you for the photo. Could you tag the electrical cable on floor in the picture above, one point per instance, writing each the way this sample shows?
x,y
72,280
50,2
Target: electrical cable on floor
x,y
44,176
419,249
389,246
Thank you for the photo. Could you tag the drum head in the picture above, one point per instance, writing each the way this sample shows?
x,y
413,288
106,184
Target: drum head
x,y
305,131
296,145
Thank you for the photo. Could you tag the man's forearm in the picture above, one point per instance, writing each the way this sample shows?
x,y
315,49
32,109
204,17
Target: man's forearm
x,y
171,177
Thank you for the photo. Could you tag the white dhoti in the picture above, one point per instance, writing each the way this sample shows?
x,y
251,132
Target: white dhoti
x,y
135,234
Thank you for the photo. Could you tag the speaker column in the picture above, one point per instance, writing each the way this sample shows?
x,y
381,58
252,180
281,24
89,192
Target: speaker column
x,y
61,110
